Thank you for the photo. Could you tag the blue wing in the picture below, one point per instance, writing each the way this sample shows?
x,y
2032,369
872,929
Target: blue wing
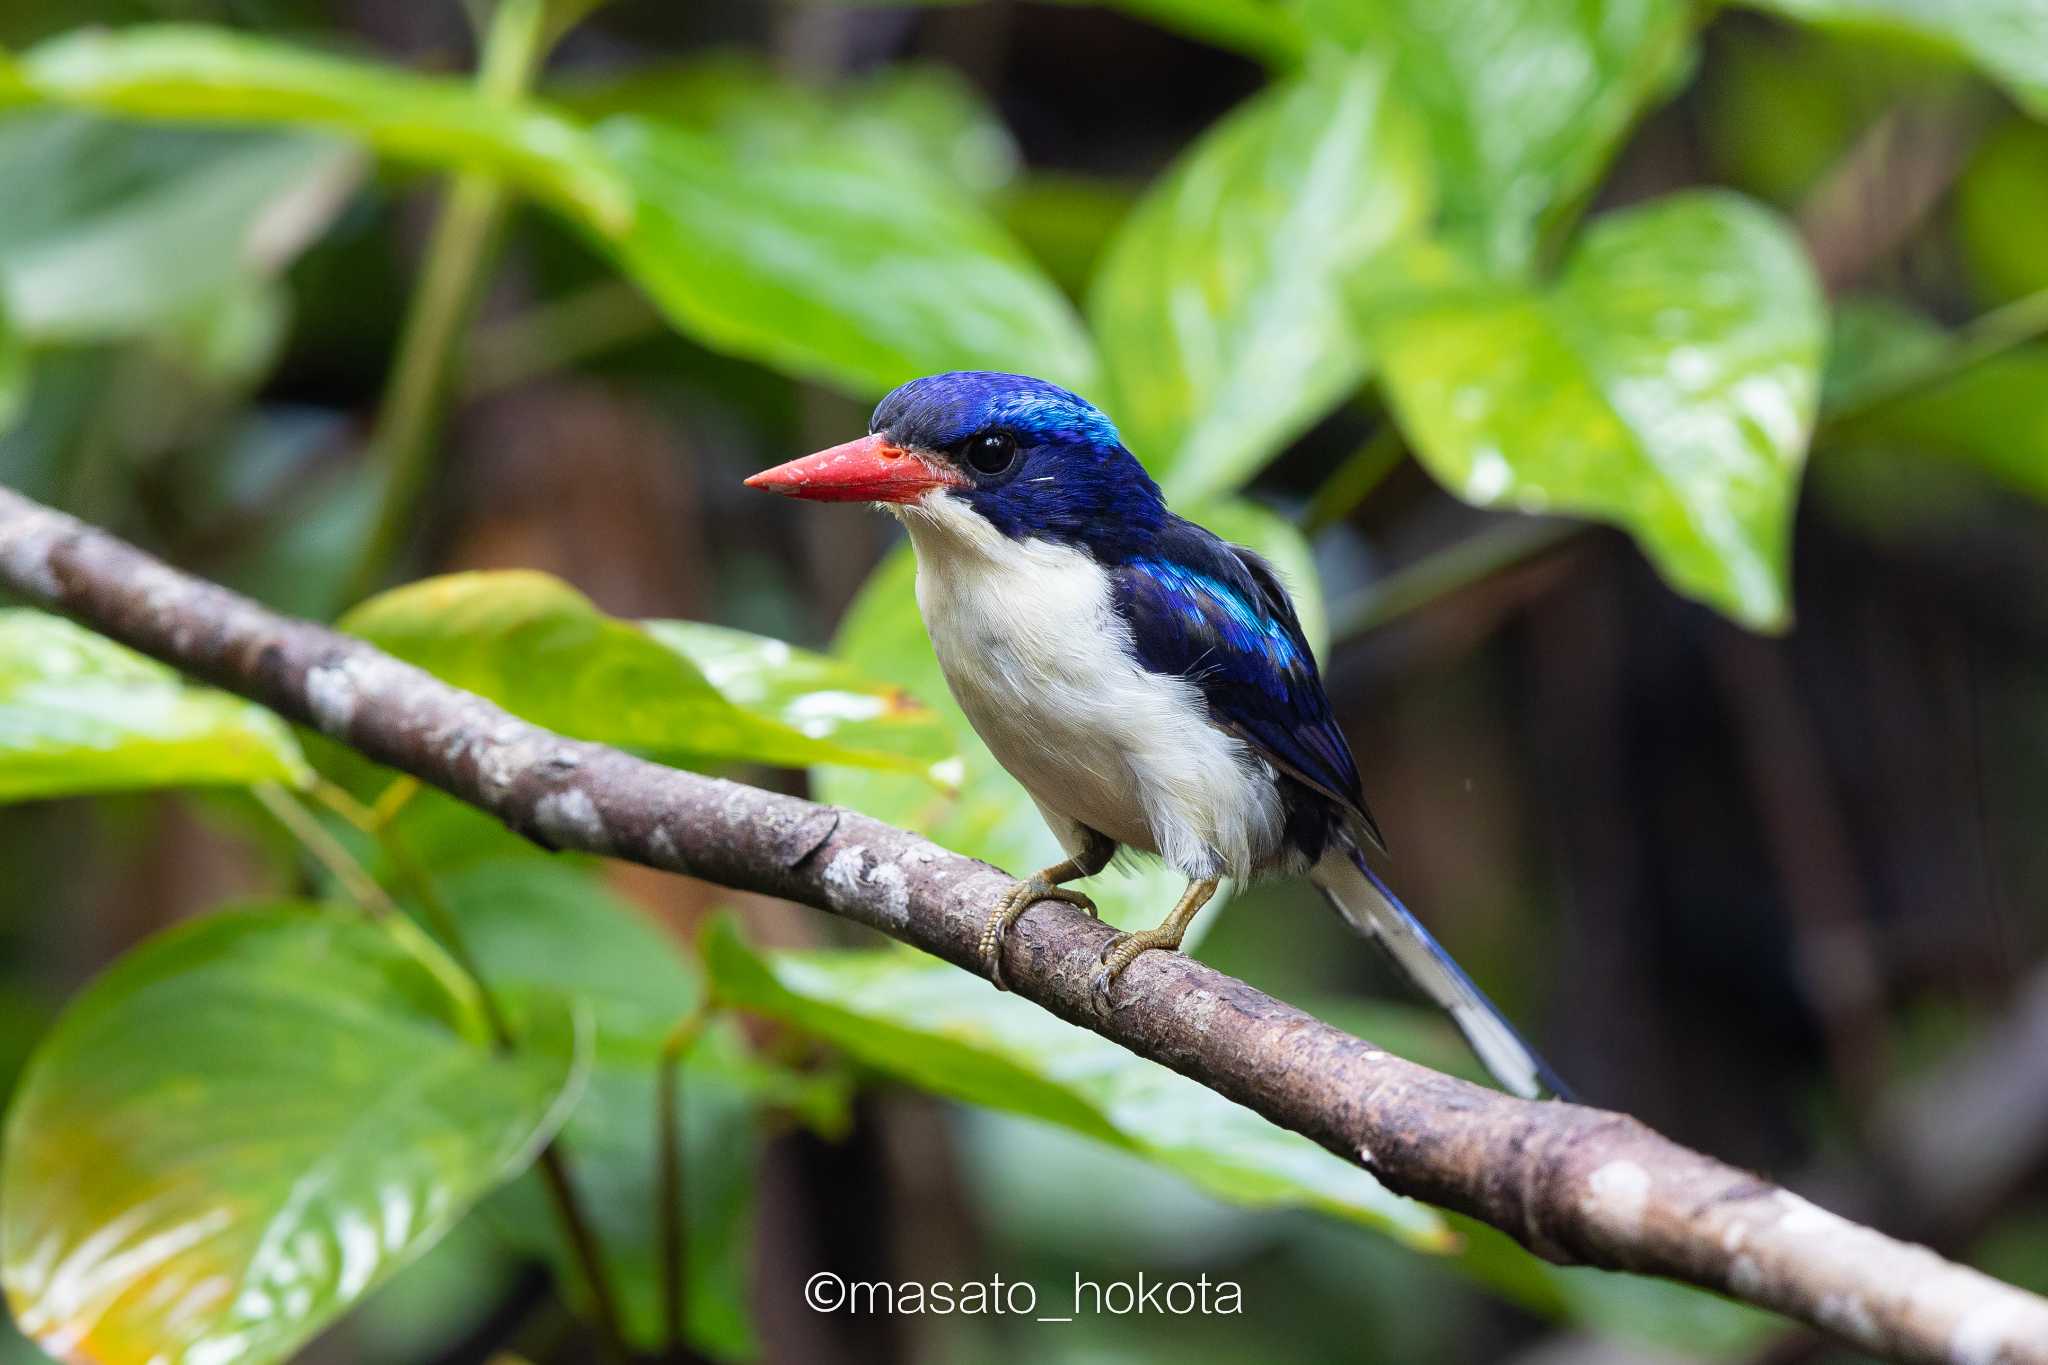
x,y
1218,615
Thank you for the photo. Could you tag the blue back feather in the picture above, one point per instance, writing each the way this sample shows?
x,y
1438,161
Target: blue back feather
x,y
1218,615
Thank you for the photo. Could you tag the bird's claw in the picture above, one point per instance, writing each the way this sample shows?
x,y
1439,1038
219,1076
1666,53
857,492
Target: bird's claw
x,y
1119,953
995,931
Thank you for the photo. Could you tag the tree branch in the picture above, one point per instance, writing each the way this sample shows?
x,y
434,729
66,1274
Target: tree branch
x,y
1573,1184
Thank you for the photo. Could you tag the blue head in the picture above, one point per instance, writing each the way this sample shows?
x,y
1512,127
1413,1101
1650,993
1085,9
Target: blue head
x,y
1039,461
1028,457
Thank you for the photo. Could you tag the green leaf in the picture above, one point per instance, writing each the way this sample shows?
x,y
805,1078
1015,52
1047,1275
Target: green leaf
x,y
118,230
1989,416
1526,101
244,1126
944,1030
1220,304
816,696
545,934
1258,28
1876,343
2004,193
855,270
1823,92
541,650
1666,383
834,268
79,713
989,816
919,119
191,72
2006,39
1067,221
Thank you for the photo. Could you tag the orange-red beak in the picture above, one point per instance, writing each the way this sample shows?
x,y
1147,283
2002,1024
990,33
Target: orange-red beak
x,y
868,470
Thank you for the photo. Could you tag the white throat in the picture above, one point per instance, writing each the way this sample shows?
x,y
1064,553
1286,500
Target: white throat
x,y
1037,656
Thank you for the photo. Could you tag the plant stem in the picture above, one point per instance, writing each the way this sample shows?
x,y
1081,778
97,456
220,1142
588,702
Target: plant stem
x,y
362,888
447,927
1352,481
583,1244
402,441
669,1152
1994,333
1467,562
577,1228
553,335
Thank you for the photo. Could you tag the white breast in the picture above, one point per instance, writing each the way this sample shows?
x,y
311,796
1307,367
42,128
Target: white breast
x,y
1037,657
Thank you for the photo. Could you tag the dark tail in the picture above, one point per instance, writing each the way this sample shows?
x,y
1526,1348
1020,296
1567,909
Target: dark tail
x,y
1364,900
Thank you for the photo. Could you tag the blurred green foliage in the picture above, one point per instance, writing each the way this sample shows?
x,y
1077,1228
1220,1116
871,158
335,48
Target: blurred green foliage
x,y
247,1124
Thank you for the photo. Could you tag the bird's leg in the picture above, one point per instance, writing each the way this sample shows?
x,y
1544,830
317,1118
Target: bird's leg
x,y
1043,885
1122,950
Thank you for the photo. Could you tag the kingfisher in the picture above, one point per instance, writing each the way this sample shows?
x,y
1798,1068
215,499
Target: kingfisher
x,y
1146,681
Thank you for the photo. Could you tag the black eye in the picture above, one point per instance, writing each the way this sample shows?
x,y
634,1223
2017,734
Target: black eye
x,y
991,452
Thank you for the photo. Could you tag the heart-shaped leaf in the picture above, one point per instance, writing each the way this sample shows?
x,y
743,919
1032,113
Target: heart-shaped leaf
x,y
1220,303
243,1127
832,268
79,713
1525,100
540,649
1667,383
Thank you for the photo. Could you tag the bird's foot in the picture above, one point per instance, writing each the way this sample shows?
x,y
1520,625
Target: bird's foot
x,y
1019,898
1119,953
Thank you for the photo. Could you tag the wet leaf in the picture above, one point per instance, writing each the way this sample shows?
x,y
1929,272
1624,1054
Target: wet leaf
x,y
943,1030
541,650
815,695
79,713
1220,303
1525,100
1666,382
243,1127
